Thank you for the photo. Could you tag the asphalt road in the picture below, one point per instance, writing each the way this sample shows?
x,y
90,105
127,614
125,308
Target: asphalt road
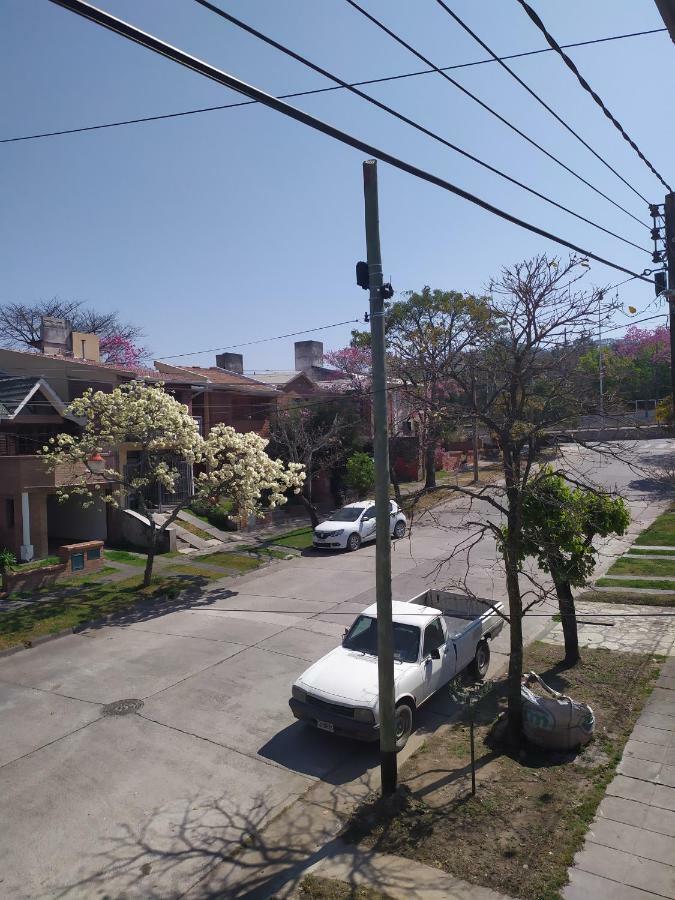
x,y
144,804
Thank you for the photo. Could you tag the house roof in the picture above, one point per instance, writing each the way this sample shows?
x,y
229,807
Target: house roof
x,y
213,375
16,392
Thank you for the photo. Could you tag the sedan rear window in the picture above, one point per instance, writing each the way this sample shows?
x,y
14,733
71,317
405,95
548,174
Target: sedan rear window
x,y
362,637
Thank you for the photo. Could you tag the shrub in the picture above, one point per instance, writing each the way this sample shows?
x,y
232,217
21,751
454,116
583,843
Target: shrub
x,y
360,474
7,560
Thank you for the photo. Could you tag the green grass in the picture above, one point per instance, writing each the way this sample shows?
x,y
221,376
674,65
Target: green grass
x,y
647,583
313,887
660,552
628,566
235,562
125,556
72,606
661,532
35,564
298,539
627,598
194,570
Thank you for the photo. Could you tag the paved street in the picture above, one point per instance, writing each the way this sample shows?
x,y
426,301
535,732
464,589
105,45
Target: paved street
x,y
143,804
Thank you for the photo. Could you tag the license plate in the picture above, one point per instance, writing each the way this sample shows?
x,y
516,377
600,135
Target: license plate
x,y
325,726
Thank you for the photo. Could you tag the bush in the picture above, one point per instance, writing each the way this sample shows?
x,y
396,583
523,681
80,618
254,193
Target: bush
x,y
217,514
7,560
360,473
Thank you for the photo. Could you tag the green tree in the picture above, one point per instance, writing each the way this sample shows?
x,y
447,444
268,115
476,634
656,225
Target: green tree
x,y
560,524
360,473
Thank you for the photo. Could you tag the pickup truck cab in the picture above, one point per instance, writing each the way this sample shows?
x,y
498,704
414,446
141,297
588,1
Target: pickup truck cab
x,y
436,636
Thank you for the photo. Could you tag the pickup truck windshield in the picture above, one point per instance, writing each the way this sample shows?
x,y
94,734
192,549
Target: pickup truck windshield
x,y
362,636
347,514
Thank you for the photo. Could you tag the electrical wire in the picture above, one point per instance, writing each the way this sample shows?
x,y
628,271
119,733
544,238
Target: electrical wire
x,y
586,86
536,96
403,118
323,90
488,108
277,337
129,32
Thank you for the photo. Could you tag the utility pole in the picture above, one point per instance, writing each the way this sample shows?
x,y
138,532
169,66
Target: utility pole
x,y
601,371
385,631
475,428
670,294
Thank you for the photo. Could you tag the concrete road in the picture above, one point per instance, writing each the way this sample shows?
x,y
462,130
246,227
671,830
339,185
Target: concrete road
x,y
144,804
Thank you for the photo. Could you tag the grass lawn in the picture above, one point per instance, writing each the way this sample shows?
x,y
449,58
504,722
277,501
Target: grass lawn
x,y
312,887
661,532
194,570
233,562
627,597
125,556
660,552
36,564
649,583
627,566
299,539
82,603
520,832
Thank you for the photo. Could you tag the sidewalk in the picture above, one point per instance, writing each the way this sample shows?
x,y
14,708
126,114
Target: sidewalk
x,y
629,852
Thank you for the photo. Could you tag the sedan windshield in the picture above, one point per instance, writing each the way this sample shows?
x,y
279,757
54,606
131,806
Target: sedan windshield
x,y
346,514
362,636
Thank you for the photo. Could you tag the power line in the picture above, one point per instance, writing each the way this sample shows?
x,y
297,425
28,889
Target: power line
x,y
488,108
403,118
85,10
586,86
323,90
277,337
536,96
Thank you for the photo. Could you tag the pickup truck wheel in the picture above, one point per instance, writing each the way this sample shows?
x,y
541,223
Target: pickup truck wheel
x,y
353,542
481,661
403,725
399,530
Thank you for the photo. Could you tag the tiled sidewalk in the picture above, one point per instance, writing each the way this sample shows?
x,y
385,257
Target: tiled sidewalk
x,y
629,852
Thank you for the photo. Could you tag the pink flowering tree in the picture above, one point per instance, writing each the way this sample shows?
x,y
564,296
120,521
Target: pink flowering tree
x,y
645,343
116,349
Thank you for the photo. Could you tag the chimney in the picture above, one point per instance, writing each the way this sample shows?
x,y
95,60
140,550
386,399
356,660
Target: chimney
x,y
54,336
308,354
232,361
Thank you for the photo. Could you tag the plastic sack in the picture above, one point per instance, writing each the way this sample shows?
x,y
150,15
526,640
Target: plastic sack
x,y
555,722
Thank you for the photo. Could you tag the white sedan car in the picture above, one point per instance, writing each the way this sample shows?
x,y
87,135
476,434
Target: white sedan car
x,y
354,524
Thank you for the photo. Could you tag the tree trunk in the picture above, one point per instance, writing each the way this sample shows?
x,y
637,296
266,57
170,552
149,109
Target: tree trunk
x,y
397,487
515,709
152,546
430,465
311,510
568,617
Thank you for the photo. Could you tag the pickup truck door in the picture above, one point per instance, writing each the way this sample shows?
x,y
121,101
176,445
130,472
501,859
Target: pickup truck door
x,y
438,657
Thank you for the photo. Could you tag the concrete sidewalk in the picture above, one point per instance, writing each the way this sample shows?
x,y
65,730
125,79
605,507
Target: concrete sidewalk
x,y
629,852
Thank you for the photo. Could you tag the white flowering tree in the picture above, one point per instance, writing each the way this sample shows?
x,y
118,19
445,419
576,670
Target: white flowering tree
x,y
143,417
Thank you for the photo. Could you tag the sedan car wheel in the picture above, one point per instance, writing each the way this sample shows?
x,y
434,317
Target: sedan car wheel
x,y
399,530
353,542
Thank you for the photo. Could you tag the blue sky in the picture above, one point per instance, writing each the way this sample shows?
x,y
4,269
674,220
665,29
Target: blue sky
x,y
230,226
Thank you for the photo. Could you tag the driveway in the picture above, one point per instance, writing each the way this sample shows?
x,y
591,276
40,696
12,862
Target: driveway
x,y
142,804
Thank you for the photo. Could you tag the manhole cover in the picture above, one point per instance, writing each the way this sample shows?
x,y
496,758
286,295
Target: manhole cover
x,y
122,707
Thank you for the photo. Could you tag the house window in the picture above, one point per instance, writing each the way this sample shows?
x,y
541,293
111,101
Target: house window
x,y
9,512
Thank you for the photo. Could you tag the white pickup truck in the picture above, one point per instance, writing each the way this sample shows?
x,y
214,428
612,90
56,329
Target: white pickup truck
x,y
436,635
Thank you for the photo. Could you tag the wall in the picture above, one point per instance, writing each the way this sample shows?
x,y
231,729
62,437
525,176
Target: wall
x,y
71,521
131,529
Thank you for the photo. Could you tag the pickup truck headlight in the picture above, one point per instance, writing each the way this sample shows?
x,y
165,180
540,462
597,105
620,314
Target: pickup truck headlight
x,y
299,694
361,714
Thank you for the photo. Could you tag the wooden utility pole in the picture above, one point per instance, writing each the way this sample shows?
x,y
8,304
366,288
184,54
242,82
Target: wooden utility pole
x,y
385,632
670,294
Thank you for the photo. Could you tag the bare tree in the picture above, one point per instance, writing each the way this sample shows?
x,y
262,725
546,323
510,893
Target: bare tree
x,y
300,436
20,322
521,381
